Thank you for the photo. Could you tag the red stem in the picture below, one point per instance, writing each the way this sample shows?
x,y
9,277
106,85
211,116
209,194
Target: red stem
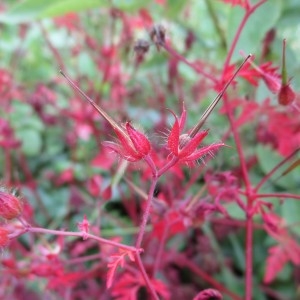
x,y
249,193
54,51
185,61
248,13
249,221
278,195
83,235
145,276
146,213
268,175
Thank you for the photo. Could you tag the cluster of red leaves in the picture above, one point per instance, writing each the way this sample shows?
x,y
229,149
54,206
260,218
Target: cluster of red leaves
x,y
286,250
128,287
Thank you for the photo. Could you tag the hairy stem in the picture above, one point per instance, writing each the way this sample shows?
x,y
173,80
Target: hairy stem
x,y
83,235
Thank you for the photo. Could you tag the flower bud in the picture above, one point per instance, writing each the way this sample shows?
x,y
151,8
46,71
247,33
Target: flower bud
x,y
139,140
286,94
208,294
10,206
4,239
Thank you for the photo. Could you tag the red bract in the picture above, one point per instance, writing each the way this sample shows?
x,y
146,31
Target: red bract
x,y
184,147
133,145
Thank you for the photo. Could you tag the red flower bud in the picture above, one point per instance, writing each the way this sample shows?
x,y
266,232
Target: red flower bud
x,y
209,294
10,206
133,145
139,140
4,239
286,95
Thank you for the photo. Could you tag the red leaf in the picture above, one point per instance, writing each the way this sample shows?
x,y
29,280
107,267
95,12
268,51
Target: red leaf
x,y
129,284
173,222
94,185
275,262
107,192
116,260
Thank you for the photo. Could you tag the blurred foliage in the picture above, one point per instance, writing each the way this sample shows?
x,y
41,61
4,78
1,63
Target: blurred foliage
x,y
30,32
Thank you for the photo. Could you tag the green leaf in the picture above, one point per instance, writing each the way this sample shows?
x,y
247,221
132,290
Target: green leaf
x,y
23,116
268,159
25,11
290,212
86,65
56,202
175,7
128,5
66,6
262,20
29,10
31,141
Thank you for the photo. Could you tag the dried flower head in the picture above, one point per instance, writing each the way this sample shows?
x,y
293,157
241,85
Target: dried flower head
x,y
158,35
141,47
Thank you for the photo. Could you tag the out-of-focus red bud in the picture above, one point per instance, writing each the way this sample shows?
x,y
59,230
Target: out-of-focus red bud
x,y
4,239
189,40
209,294
10,206
286,95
